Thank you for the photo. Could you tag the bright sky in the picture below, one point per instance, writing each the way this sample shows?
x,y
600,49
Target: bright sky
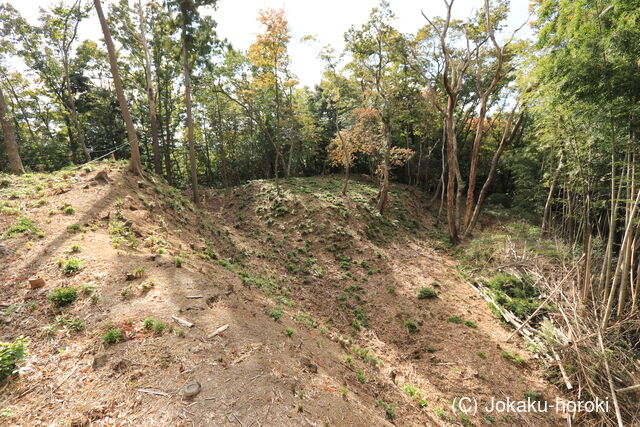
x,y
327,20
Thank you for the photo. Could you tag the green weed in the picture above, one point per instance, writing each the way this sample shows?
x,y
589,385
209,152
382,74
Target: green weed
x,y
63,296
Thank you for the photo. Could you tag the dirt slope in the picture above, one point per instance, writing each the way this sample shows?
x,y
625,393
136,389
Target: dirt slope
x,y
319,292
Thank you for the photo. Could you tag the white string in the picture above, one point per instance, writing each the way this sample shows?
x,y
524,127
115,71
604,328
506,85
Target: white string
x,y
98,158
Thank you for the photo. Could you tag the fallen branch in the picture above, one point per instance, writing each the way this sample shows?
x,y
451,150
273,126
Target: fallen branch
x,y
66,378
630,388
183,322
220,330
562,371
608,372
155,392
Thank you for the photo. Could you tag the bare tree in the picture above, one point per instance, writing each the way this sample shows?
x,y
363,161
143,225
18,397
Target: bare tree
x,y
453,73
484,95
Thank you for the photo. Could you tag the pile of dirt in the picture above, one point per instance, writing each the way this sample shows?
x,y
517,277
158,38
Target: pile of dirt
x,y
336,315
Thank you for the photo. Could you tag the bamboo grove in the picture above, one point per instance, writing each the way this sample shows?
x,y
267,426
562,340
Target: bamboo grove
x,y
466,110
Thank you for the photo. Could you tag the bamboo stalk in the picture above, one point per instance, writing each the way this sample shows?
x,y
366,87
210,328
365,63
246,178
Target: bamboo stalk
x,y
613,391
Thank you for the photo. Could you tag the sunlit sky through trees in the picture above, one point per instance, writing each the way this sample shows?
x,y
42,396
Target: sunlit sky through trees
x,y
325,20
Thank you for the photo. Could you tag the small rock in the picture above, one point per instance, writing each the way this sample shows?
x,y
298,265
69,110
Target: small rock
x,y
191,389
212,300
308,365
79,421
130,277
102,177
36,283
99,360
121,365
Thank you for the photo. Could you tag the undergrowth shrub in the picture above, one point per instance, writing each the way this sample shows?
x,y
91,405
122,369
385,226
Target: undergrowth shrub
x,y
11,354
63,296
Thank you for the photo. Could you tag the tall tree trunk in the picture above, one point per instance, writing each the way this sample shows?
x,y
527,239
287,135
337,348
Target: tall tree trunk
x,y
347,156
443,166
290,160
628,254
10,141
73,145
473,169
484,99
451,172
153,117
71,104
587,236
209,171
168,138
507,137
626,240
78,127
605,276
546,217
384,189
19,104
221,148
187,101
275,171
134,164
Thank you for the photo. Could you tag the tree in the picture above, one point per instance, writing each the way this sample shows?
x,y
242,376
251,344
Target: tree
x,y
375,49
196,36
10,141
455,63
153,116
446,76
6,119
586,80
133,37
339,91
270,57
343,150
134,164
258,84
187,101
60,29
496,61
164,50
